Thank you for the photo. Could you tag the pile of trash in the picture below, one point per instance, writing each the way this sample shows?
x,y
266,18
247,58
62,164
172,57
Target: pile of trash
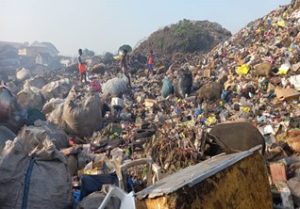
x,y
243,93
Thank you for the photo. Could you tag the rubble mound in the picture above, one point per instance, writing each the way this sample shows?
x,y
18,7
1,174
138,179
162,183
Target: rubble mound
x,y
186,36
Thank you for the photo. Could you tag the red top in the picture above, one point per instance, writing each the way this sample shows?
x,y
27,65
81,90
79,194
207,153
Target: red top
x,y
150,59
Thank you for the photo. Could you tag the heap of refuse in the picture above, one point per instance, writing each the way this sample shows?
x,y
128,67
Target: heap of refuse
x,y
55,132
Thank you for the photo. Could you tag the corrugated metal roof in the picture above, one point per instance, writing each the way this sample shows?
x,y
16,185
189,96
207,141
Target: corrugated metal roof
x,y
194,174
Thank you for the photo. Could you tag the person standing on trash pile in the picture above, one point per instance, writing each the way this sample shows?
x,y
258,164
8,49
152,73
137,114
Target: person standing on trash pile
x,y
124,65
150,62
82,66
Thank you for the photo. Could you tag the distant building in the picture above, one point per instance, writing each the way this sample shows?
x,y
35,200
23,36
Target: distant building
x,y
15,45
44,53
43,59
9,59
46,47
65,62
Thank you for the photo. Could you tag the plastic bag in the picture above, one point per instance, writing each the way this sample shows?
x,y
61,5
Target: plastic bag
x,y
281,23
243,69
211,120
284,69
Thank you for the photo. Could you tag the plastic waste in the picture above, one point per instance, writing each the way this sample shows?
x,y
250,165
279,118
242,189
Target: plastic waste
x,y
211,120
284,69
295,81
281,23
243,69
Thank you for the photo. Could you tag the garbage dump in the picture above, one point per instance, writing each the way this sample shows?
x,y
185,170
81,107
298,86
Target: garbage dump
x,y
242,94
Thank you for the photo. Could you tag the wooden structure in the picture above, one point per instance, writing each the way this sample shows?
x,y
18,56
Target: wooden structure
x,y
237,181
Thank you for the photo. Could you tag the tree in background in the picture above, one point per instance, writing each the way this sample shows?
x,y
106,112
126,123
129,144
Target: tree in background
x,y
88,53
108,58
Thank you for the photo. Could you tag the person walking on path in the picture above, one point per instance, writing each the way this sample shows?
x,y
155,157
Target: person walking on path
x,y
82,66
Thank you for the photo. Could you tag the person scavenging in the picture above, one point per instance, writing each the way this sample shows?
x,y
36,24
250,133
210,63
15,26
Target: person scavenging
x,y
124,66
82,66
150,62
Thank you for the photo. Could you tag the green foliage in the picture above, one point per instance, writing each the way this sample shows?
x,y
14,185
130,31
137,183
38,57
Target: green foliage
x,y
88,53
186,36
108,58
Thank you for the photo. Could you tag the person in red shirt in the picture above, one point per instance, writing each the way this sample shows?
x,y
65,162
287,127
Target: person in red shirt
x,y
150,62
81,66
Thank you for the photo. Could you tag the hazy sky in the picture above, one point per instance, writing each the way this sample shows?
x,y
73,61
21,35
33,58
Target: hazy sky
x,y
104,25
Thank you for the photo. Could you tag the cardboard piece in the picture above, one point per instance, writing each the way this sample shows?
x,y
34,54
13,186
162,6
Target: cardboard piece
x,y
286,93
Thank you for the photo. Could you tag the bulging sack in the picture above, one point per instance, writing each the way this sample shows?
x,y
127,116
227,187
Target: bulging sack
x,y
82,113
30,97
34,173
167,88
56,135
115,87
210,91
185,83
11,114
55,116
56,89
52,105
5,134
